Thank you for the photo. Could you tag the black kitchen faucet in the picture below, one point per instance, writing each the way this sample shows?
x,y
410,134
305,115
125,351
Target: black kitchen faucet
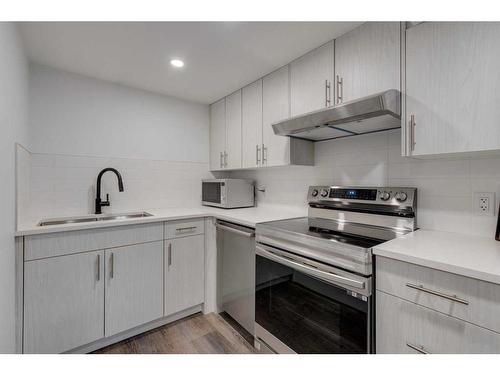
x,y
98,202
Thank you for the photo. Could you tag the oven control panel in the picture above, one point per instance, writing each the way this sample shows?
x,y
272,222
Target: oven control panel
x,y
399,196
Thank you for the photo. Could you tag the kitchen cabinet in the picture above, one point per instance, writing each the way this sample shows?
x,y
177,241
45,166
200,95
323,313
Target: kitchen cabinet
x,y
217,134
420,309
184,273
404,327
311,78
452,81
367,61
63,302
265,102
232,158
251,125
134,286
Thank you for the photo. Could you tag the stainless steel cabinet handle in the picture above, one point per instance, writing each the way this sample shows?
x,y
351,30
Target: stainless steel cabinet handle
x,y
412,132
225,159
234,230
419,349
98,267
112,266
170,254
439,294
185,228
328,100
221,159
257,152
340,89
264,154
324,275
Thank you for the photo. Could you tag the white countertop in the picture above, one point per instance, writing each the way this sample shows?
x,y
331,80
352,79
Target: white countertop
x,y
466,255
244,216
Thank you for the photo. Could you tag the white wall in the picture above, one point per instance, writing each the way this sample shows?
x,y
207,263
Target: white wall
x,y
13,109
445,187
75,115
80,125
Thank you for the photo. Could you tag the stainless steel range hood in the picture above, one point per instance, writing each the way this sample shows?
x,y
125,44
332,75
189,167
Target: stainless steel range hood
x,y
366,115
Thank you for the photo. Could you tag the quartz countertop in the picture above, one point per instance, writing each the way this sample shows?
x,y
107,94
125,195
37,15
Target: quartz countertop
x,y
244,216
466,255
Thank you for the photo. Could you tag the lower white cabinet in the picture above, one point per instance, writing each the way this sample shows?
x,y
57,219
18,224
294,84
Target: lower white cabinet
x,y
184,273
63,302
405,327
134,286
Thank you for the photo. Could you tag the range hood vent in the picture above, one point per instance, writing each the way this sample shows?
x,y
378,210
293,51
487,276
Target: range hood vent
x,y
370,114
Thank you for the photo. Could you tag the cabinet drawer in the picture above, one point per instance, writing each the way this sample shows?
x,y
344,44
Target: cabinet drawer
x,y
404,327
183,228
54,244
469,299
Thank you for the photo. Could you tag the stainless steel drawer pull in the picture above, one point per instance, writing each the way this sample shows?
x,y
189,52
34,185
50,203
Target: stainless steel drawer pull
x,y
264,154
340,89
112,268
439,294
185,228
257,152
419,349
98,267
169,254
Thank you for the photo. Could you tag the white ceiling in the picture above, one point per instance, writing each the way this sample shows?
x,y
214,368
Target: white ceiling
x,y
219,57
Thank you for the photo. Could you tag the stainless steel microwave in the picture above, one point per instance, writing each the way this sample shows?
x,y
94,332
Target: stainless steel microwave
x,y
228,193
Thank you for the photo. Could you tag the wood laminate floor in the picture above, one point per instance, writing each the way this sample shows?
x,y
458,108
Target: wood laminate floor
x,y
196,334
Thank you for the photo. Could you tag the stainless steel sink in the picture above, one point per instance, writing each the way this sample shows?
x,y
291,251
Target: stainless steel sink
x,y
86,219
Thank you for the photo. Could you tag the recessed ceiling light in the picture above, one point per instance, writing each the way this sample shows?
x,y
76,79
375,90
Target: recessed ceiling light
x,y
177,63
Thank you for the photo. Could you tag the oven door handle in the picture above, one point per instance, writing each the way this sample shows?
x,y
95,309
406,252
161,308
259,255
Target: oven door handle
x,y
323,275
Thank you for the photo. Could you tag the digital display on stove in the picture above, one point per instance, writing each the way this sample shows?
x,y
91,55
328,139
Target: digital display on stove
x,y
361,194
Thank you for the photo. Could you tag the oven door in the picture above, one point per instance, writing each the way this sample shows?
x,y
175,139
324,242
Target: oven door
x,y
303,306
213,193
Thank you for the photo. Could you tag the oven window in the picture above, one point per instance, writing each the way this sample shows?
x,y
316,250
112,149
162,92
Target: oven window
x,y
306,314
211,192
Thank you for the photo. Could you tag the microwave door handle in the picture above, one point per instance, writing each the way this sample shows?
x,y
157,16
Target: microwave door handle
x,y
326,276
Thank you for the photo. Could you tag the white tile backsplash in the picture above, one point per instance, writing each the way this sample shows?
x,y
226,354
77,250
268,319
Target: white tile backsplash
x,y
445,186
64,185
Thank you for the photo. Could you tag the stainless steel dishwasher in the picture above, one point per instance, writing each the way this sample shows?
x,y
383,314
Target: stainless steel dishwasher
x,y
236,276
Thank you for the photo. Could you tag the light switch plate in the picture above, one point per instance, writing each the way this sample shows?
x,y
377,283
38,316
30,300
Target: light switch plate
x,y
484,203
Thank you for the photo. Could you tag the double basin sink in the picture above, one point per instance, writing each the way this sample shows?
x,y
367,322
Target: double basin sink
x,y
87,219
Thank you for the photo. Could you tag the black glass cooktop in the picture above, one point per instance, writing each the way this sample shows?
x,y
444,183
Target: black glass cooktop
x,y
339,232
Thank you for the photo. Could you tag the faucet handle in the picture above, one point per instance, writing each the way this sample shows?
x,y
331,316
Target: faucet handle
x,y
107,197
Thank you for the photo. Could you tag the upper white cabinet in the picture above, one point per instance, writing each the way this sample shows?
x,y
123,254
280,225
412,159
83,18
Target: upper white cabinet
x,y
251,124
217,134
311,78
367,61
232,157
63,302
452,81
276,107
134,286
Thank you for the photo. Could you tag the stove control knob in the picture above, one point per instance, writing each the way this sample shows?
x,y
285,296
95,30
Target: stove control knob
x,y
385,195
401,196
314,193
324,193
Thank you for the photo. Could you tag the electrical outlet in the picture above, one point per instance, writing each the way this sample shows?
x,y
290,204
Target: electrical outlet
x,y
484,204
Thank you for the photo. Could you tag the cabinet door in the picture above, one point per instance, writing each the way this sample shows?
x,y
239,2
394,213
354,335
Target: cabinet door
x,y
367,60
217,133
233,130
134,286
184,273
311,78
452,81
276,107
251,124
63,302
